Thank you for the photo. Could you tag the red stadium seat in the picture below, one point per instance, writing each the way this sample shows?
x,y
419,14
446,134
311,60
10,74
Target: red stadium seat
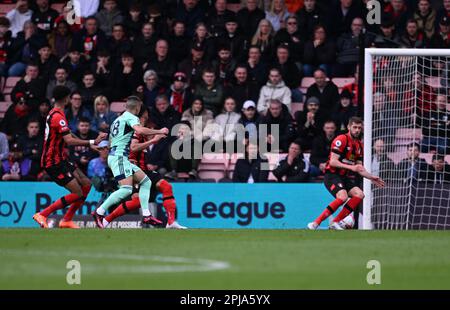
x,y
215,175
58,7
434,82
307,82
296,106
232,164
234,7
9,85
213,166
4,105
341,82
405,136
118,106
428,157
5,8
447,159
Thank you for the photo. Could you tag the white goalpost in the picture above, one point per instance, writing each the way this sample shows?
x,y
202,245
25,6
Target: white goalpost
x,y
406,138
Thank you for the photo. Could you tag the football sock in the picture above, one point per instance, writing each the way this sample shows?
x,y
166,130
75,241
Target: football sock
x,y
60,203
168,200
77,204
123,208
351,205
332,207
144,195
115,198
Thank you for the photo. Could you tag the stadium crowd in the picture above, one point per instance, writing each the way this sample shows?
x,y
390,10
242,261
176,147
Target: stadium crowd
x,y
225,62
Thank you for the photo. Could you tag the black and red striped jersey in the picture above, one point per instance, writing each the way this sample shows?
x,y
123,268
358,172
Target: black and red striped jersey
x,y
349,150
56,128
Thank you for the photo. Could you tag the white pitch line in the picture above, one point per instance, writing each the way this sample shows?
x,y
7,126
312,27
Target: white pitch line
x,y
190,264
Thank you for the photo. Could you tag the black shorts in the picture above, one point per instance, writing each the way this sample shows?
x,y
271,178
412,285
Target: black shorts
x,y
155,177
334,183
61,173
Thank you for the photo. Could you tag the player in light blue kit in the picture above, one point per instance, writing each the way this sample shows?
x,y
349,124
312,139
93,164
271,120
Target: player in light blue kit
x,y
126,173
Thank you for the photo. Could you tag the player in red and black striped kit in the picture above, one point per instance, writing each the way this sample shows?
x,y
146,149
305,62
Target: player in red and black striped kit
x,y
343,175
139,146
55,163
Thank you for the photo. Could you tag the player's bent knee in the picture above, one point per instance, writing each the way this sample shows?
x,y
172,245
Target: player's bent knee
x,y
342,196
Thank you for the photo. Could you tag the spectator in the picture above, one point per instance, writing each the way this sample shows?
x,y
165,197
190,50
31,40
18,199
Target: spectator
x,y
413,37
86,7
151,89
319,53
180,95
345,111
444,10
31,144
398,12
5,45
292,39
89,91
309,122
250,119
164,115
224,65
191,14
81,155
102,69
189,164
321,149
4,146
162,64
126,78
134,20
178,43
294,168
257,69
439,171
16,167
194,65
41,115
242,88
280,117
47,62
233,38
435,127
275,89
226,130
98,166
441,39
249,17
19,16
60,80
382,165
199,118
60,39
144,44
342,15
75,65
412,167
89,39
309,17
327,93
32,86
352,88
253,168
348,49
44,17
277,14
288,69
75,112
388,38
155,15
217,17
202,36
118,43
425,16
109,16
24,48
210,91
264,39
103,117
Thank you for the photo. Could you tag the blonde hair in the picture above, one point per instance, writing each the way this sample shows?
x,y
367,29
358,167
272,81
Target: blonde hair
x,y
99,99
272,7
257,35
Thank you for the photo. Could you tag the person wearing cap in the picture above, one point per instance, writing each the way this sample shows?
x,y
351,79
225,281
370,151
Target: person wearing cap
x,y
98,166
441,38
425,16
16,117
242,88
233,37
309,122
250,119
345,111
275,89
180,94
194,65
224,65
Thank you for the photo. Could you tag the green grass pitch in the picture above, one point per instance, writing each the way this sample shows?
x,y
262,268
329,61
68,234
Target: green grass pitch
x,y
223,259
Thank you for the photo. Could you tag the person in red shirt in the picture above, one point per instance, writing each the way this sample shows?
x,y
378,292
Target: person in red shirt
x,y
54,162
343,174
139,146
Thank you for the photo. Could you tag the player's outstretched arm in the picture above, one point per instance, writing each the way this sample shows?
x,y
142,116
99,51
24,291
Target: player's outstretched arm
x,y
72,140
136,146
336,163
141,130
365,174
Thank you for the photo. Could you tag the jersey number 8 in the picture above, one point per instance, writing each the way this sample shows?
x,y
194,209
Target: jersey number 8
x,y
115,129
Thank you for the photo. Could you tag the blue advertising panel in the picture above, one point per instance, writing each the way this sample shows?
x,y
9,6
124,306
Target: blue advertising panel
x,y
228,205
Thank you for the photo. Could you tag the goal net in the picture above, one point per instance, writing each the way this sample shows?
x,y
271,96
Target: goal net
x,y
406,138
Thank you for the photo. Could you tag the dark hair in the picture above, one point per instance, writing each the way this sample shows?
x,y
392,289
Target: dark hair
x,y
75,92
208,70
103,53
187,123
84,119
143,110
355,120
88,73
438,157
414,144
298,142
33,120
60,92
